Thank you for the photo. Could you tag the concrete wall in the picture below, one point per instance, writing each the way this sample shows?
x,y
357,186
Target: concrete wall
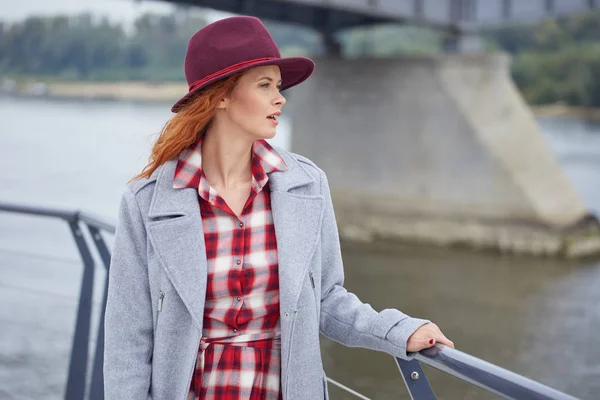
x,y
437,149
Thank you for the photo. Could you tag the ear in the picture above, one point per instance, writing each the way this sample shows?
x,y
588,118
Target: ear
x,y
223,103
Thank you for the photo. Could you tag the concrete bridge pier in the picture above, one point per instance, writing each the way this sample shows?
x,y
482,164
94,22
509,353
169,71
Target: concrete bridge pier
x,y
462,42
438,150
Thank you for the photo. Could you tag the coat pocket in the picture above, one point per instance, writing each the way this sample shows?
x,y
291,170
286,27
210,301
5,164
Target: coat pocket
x,y
159,306
314,290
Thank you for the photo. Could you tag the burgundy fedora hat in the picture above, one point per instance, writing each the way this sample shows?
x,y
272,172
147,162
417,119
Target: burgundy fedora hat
x,y
232,45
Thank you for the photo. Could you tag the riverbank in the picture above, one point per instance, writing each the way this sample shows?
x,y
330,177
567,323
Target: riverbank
x,y
139,91
172,91
130,91
562,110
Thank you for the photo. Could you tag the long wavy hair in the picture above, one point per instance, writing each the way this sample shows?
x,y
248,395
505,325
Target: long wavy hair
x,y
188,124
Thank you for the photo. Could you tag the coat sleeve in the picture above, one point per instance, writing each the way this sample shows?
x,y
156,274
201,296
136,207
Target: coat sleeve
x,y
344,318
128,329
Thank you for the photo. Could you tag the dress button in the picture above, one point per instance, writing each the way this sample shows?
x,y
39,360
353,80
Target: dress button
x,y
287,314
239,298
238,262
241,224
235,330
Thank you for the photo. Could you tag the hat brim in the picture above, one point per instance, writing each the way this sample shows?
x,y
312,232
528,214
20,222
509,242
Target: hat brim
x,y
294,70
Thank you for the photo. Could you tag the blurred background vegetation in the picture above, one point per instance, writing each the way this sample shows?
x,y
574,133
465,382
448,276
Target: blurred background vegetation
x,y
554,62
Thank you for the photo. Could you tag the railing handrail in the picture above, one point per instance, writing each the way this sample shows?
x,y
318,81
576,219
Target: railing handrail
x,y
461,365
67,215
486,375
97,222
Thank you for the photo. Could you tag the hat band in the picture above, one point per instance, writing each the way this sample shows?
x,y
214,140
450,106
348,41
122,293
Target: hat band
x,y
233,67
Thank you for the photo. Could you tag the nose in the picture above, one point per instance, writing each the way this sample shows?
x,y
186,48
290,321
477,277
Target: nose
x,y
280,99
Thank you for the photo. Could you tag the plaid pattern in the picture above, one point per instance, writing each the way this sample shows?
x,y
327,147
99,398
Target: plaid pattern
x,y
239,355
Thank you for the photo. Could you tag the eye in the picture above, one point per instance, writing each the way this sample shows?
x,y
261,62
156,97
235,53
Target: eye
x,y
267,85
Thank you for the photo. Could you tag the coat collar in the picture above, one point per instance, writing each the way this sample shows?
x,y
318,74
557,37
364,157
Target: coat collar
x,y
188,172
296,175
168,201
176,232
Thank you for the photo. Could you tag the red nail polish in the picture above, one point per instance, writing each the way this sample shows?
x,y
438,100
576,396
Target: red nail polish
x,y
430,341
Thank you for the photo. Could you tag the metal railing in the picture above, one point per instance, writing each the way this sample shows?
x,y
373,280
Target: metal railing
x,y
480,373
78,364
456,363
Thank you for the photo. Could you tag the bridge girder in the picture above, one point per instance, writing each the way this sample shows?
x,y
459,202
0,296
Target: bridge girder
x,y
322,19
453,15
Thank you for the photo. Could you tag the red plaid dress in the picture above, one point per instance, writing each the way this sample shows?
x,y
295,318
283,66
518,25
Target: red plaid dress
x,y
239,355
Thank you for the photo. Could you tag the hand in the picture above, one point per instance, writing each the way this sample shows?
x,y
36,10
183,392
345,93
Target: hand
x,y
425,337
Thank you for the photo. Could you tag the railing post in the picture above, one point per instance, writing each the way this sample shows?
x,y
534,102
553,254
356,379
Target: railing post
x,y
97,384
76,381
414,377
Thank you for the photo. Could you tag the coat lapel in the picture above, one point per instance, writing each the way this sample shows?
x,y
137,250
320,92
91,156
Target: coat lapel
x,y
175,230
297,219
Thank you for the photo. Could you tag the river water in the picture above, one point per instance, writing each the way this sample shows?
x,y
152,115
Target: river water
x,y
536,317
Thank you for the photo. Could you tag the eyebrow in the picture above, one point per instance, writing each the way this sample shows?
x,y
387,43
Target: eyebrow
x,y
267,78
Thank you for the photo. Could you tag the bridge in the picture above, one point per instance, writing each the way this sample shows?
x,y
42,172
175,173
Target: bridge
x,y
439,149
330,16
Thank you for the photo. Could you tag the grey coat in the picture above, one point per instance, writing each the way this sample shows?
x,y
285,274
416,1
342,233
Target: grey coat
x,y
159,253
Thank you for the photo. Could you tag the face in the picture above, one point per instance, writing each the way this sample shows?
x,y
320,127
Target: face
x,y
255,103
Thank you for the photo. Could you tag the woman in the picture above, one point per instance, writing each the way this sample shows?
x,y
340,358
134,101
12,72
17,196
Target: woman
x,y
226,262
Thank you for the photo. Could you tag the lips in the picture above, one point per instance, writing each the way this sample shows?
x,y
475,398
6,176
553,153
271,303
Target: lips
x,y
274,115
273,118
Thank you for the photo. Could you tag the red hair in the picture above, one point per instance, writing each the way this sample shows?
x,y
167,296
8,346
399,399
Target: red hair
x,y
187,125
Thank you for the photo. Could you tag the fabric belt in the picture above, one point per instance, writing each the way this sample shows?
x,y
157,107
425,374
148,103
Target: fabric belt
x,y
267,340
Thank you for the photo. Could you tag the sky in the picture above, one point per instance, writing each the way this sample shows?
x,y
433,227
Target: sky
x,y
117,10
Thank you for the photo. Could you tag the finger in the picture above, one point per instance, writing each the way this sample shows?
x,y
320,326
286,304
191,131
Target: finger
x,y
441,338
444,340
428,342
419,344
449,342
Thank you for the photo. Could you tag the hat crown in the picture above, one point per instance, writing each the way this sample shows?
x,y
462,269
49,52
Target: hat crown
x,y
227,42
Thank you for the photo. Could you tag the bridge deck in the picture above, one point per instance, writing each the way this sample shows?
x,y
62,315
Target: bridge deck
x,y
332,15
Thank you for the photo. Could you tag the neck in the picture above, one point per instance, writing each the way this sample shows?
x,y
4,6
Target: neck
x,y
226,158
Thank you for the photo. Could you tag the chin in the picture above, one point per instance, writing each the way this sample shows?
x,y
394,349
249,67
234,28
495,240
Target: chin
x,y
266,134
